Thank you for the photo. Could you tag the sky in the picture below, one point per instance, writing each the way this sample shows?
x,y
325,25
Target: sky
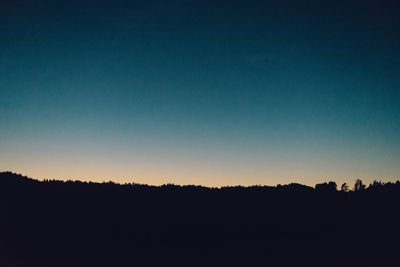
x,y
201,92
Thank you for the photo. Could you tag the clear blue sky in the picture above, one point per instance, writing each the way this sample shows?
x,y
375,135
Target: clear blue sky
x,y
233,92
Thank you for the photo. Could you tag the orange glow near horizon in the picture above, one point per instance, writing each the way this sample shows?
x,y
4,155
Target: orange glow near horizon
x,y
215,178
199,165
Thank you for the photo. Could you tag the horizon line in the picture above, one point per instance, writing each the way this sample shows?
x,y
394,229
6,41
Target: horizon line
x,y
88,181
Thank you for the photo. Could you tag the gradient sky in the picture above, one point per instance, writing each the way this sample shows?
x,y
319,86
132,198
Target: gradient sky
x,y
201,92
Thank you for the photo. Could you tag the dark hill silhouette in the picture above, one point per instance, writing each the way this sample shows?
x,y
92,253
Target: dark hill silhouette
x,y
72,223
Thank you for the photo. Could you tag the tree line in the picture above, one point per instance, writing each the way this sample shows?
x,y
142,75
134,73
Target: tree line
x,y
75,223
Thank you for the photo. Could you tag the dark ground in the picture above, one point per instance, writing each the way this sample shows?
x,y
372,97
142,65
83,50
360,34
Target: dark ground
x,y
60,224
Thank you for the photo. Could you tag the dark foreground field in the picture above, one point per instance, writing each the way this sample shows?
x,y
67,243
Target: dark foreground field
x,y
57,223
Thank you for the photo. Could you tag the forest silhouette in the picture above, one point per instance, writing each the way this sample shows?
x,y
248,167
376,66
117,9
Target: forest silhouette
x,y
75,223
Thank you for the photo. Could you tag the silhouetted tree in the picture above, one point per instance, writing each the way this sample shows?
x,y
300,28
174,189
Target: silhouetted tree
x,y
359,185
376,184
326,187
344,187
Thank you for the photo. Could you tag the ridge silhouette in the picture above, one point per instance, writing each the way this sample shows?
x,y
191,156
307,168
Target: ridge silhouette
x,y
73,223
